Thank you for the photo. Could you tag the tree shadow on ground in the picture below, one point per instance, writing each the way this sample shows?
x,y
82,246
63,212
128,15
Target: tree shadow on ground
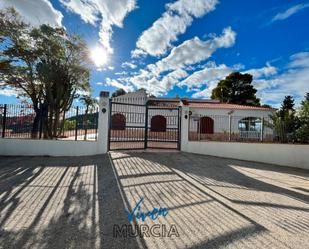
x,y
210,175
220,170
74,203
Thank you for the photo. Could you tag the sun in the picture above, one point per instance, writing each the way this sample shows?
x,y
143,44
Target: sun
x,y
99,56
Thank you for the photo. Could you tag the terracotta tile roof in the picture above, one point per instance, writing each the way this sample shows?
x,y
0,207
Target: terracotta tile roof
x,y
228,106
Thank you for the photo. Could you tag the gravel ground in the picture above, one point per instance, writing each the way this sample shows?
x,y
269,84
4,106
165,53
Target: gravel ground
x,y
213,202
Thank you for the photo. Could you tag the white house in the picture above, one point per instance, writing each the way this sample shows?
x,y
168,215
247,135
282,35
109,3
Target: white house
x,y
221,121
209,119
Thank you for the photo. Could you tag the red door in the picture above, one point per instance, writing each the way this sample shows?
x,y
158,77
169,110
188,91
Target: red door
x,y
206,125
118,122
158,123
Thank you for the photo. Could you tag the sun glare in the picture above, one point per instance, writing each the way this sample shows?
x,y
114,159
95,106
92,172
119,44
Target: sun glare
x,y
99,56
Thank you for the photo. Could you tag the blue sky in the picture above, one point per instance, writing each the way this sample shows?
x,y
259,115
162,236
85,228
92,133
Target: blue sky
x,y
186,46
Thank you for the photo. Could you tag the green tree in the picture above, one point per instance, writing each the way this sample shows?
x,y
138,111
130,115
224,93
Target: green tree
x,y
236,88
306,100
284,121
287,112
45,64
281,126
63,71
89,103
18,59
302,133
69,125
287,104
118,92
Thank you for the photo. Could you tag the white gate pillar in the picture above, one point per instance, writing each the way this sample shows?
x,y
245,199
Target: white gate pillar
x,y
184,128
103,122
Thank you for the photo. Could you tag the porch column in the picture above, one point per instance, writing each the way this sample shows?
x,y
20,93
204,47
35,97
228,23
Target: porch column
x,y
184,128
103,122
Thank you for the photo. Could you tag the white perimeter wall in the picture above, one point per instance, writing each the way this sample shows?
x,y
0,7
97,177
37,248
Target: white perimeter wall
x,y
280,154
29,147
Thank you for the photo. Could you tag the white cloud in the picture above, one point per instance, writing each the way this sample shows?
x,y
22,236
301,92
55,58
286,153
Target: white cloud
x,y
100,83
206,93
128,65
178,16
144,79
157,39
292,81
206,75
196,8
264,71
172,78
109,12
35,12
299,60
271,84
289,12
117,84
85,9
154,85
193,51
121,73
180,60
264,84
209,77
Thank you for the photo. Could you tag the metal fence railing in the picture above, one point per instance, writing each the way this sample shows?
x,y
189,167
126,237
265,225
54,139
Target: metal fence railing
x,y
21,121
230,128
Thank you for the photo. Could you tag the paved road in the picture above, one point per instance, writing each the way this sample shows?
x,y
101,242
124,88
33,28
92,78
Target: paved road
x,y
212,202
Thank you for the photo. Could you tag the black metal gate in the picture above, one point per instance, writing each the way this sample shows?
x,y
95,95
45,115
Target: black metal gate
x,y
135,126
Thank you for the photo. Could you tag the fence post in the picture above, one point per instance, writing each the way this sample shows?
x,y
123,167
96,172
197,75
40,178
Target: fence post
x,y
230,127
262,129
63,123
96,125
184,128
41,121
76,123
103,123
4,121
179,126
198,128
146,127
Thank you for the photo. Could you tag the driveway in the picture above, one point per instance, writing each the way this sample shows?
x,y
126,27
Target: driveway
x,y
210,202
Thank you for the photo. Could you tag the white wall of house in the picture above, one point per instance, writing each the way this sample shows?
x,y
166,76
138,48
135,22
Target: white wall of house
x,y
279,154
138,97
242,113
221,118
135,115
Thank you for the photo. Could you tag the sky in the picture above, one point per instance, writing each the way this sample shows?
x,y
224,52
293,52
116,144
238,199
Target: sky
x,y
184,47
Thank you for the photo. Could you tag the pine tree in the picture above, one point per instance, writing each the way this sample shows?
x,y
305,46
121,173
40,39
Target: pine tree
x,y
236,88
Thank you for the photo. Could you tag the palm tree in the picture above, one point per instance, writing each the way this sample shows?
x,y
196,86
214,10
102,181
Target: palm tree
x,y
89,103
